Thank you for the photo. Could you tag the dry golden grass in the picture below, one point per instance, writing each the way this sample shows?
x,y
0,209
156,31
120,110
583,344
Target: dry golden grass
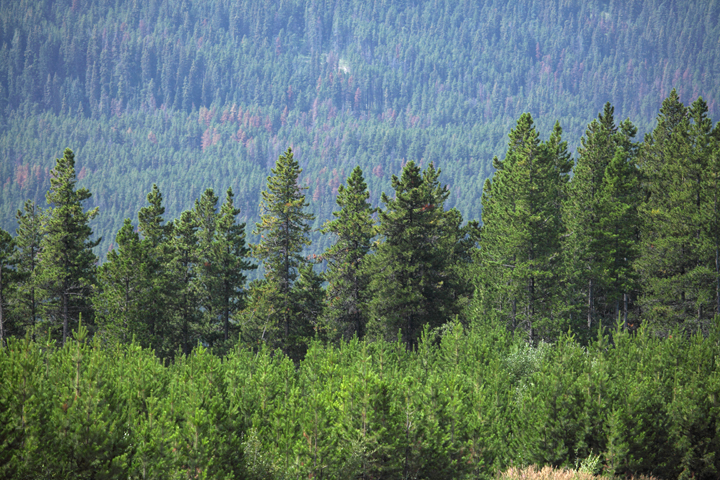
x,y
548,473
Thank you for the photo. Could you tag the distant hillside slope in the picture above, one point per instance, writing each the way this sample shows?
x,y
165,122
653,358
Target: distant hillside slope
x,y
207,93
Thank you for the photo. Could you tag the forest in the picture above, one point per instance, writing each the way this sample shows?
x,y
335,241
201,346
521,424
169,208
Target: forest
x,y
578,325
363,240
191,94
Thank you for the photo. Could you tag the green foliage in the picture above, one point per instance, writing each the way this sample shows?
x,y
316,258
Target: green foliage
x,y
629,403
354,229
28,238
283,230
67,264
598,213
677,273
7,271
520,240
413,281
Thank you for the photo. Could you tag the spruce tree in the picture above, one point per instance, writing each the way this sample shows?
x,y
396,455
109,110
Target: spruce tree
x,y
155,242
618,199
584,255
67,264
283,228
354,229
222,263
414,282
124,290
205,281
186,319
676,272
28,238
519,257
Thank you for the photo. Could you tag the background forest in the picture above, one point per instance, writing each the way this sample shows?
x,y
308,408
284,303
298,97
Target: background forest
x,y
198,94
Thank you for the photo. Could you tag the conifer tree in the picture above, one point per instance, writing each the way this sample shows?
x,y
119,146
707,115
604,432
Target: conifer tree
x,y
617,206
676,273
222,262
347,280
205,281
283,229
124,290
67,264
7,271
584,246
28,237
413,277
519,255
155,238
186,320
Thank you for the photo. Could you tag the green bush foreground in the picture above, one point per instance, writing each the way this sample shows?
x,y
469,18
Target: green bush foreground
x,y
464,404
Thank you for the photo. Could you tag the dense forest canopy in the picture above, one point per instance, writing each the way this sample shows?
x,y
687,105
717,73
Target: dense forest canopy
x,y
197,94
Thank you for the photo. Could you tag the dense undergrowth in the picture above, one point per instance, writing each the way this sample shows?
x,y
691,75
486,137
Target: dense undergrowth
x,y
463,404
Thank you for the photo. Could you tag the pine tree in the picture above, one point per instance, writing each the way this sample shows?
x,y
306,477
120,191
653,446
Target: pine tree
x,y
676,273
205,281
28,238
584,246
222,262
519,255
308,298
618,218
67,264
413,278
124,290
354,229
186,319
156,251
283,229
7,272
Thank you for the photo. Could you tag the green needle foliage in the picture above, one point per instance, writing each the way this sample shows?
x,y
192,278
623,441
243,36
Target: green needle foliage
x,y
618,202
229,259
677,273
283,228
28,238
586,238
520,239
354,229
121,304
7,271
186,322
413,274
67,264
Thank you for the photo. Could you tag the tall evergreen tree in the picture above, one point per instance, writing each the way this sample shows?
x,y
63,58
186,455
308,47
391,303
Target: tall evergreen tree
x,y
186,319
7,271
413,281
618,224
222,262
28,238
283,228
155,241
676,273
347,280
519,255
67,264
584,254
124,290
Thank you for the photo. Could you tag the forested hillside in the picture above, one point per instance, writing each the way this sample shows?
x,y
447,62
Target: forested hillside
x,y
196,94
